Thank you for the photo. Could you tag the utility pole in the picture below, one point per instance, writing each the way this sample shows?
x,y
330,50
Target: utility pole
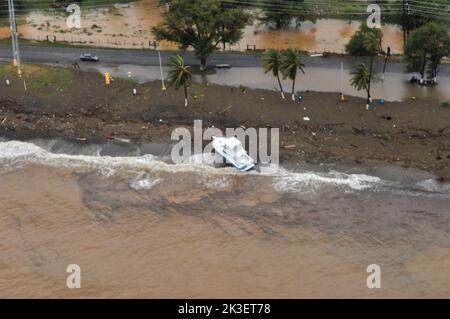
x,y
161,69
404,23
222,8
14,36
386,58
408,13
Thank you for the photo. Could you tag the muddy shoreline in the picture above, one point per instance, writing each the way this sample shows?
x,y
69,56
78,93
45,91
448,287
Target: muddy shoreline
x,y
410,134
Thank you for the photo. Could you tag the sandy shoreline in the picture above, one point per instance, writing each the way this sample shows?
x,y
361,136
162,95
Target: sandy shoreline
x,y
410,134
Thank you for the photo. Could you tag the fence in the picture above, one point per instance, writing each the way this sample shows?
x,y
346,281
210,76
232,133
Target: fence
x,y
116,42
119,42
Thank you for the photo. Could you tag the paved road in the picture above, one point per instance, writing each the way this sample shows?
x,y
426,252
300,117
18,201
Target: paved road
x,y
65,55
47,54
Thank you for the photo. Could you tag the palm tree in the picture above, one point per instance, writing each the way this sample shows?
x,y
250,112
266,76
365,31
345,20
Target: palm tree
x,y
372,44
272,62
179,74
290,63
361,80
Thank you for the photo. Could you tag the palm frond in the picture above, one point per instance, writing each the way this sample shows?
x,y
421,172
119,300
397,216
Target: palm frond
x,y
179,73
291,63
360,77
272,61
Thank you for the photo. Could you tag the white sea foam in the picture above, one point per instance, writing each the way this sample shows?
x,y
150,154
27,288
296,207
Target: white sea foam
x,y
20,153
215,182
310,182
432,185
144,181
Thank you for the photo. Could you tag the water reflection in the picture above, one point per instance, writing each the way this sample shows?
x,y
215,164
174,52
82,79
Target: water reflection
x,y
394,87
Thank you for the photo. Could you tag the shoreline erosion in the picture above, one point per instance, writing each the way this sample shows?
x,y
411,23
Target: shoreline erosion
x,y
409,134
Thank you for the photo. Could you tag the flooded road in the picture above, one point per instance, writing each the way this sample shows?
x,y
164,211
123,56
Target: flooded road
x,y
142,227
394,87
130,27
139,227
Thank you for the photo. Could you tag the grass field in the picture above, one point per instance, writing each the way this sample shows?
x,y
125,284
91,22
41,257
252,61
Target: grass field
x,y
41,80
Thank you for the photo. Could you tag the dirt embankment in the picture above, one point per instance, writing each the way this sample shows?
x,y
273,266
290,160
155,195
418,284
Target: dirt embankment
x,y
412,134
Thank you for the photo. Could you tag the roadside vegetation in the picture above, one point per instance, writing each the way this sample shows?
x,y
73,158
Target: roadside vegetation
x,y
427,47
202,25
179,75
286,62
361,79
206,25
366,42
39,80
290,65
272,63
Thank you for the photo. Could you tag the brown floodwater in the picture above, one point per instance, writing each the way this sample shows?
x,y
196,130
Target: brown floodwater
x,y
394,87
138,227
131,27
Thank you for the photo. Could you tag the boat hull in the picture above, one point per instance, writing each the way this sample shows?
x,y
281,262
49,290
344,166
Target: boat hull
x,y
243,166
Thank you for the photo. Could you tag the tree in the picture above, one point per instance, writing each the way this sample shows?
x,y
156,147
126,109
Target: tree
x,y
348,12
372,44
281,14
272,63
360,80
202,25
414,17
356,44
366,41
428,45
290,64
179,74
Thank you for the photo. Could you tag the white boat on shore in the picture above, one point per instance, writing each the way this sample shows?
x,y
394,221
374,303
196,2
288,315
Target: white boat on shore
x,y
233,152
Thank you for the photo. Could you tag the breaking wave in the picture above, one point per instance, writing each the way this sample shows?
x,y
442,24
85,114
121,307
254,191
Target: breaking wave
x,y
145,170
311,181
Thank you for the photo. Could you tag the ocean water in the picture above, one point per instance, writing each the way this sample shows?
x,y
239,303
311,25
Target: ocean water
x,y
139,226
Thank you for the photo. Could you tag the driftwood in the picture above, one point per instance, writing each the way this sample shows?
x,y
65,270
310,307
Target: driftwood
x,y
442,130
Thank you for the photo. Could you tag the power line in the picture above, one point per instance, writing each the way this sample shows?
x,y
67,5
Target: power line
x,y
439,9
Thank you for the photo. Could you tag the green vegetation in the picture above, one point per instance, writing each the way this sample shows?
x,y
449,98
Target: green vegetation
x,y
282,14
202,25
428,45
420,13
356,45
197,90
39,79
272,63
290,64
44,4
366,42
361,80
24,5
179,75
287,62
